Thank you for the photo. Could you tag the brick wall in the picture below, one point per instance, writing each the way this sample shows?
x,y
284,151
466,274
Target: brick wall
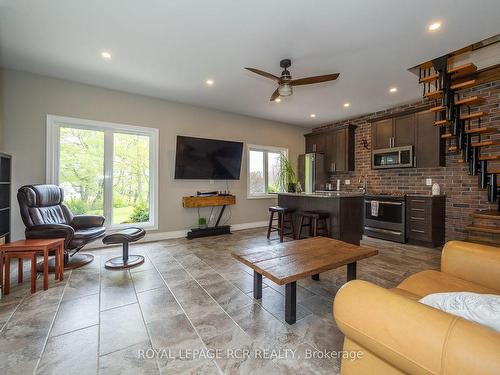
x,y
462,191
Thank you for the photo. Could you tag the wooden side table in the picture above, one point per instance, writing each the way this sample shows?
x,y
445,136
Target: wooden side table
x,y
28,249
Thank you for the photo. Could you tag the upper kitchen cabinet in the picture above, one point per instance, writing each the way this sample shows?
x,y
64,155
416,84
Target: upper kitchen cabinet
x,y
403,131
382,134
393,132
337,145
414,129
340,150
315,142
429,147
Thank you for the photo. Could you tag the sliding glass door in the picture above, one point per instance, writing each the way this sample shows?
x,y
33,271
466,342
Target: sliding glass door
x,y
105,169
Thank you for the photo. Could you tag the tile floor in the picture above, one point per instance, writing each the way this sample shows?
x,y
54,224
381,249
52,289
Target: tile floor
x,y
188,297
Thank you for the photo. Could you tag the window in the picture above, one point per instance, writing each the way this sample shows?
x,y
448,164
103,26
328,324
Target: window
x,y
105,169
263,170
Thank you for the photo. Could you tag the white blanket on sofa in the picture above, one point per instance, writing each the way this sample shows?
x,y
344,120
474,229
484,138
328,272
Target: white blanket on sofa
x,y
480,308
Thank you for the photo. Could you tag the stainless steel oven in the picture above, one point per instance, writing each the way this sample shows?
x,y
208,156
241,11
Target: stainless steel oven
x,y
395,157
385,217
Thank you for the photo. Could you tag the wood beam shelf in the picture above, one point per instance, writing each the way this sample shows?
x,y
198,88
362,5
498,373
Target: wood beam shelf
x,y
211,201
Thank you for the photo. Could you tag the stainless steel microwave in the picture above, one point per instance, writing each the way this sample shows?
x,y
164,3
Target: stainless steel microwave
x,y
395,157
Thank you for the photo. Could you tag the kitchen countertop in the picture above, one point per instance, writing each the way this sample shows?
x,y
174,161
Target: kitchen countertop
x,y
333,194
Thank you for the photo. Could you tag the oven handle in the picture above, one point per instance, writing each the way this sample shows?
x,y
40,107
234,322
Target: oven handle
x,y
386,202
382,230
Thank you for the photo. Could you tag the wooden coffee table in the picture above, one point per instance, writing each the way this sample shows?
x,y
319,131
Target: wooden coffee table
x,y
288,262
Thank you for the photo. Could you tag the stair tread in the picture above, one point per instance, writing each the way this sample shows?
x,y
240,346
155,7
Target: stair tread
x,y
490,157
463,85
439,108
429,78
485,143
462,69
471,100
482,228
441,122
434,94
481,130
471,116
494,171
487,214
452,148
446,135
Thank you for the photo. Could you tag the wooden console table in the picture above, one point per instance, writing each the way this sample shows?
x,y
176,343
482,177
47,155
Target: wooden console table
x,y
209,201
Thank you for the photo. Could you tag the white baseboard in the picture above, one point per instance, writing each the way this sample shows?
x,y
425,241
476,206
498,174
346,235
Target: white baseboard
x,y
160,236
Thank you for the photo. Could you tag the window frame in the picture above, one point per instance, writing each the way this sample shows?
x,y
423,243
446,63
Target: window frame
x,y
54,123
265,150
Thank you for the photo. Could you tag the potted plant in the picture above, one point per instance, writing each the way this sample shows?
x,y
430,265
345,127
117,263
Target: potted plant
x,y
202,223
287,178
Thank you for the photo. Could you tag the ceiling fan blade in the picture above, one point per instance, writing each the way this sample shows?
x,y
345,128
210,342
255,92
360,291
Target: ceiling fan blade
x,y
275,95
316,79
264,74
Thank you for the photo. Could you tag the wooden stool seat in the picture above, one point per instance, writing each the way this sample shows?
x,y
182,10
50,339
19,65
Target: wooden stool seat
x,y
285,216
314,218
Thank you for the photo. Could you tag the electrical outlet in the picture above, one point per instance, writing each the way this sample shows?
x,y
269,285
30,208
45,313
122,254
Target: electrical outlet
x,y
428,181
347,182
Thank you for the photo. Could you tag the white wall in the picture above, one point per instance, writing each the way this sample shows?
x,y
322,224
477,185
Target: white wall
x,y
28,98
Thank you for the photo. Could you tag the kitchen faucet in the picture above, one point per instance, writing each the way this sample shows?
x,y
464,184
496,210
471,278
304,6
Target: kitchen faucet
x,y
362,181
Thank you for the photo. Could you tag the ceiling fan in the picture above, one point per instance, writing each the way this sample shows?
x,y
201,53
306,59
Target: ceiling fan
x,y
286,82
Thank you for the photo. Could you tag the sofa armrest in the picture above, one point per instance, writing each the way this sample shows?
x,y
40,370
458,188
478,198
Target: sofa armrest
x,y
87,221
472,262
411,336
51,231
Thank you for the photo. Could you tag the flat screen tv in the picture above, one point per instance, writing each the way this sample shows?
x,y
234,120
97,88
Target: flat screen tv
x,y
207,159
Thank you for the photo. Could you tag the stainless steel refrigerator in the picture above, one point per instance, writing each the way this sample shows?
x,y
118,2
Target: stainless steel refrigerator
x,y
311,172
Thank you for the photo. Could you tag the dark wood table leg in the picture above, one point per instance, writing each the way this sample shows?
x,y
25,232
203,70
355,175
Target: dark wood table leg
x,y
315,277
291,302
45,269
7,274
1,273
33,272
20,265
257,285
351,271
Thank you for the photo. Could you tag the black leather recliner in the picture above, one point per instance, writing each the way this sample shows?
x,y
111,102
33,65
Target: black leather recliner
x,y
46,216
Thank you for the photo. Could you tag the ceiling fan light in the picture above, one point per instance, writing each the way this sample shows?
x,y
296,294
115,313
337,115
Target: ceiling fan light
x,y
285,89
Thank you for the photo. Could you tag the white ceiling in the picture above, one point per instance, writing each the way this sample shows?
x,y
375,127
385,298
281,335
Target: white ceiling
x,y
167,49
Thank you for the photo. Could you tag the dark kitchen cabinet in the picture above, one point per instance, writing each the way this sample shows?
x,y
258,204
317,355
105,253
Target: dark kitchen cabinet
x,y
337,145
429,147
393,132
403,132
425,220
340,150
315,142
382,134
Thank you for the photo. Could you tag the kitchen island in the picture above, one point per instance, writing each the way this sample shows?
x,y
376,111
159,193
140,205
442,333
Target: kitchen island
x,y
345,208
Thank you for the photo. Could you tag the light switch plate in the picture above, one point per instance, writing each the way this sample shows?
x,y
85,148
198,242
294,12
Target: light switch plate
x,y
347,182
212,182
428,181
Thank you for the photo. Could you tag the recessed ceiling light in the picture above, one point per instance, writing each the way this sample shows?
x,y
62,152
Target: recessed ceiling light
x,y
106,55
312,115
209,82
277,100
434,26
347,105
393,89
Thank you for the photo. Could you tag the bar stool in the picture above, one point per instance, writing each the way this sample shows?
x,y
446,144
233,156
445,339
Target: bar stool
x,y
314,218
285,216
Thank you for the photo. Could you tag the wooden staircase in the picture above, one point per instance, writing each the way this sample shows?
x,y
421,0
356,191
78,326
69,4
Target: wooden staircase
x,y
461,128
485,227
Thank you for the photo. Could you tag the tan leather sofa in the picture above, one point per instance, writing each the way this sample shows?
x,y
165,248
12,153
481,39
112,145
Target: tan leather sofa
x,y
396,334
